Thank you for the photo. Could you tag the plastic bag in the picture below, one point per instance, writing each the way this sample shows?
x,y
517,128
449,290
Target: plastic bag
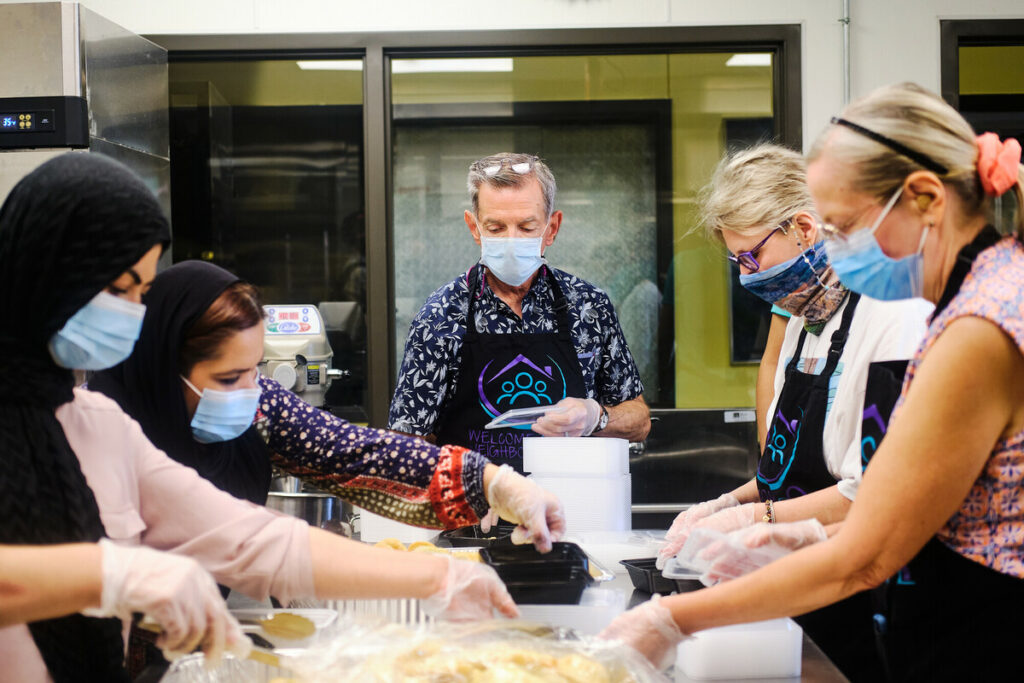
x,y
355,651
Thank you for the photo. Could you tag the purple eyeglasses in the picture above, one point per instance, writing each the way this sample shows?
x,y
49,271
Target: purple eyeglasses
x,y
748,259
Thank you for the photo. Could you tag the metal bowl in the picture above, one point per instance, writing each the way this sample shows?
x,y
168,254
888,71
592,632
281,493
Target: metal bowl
x,y
318,509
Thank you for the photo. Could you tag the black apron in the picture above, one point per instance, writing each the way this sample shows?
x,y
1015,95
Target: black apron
x,y
793,465
499,372
945,617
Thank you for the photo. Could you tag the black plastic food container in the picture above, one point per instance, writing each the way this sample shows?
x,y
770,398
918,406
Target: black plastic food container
x,y
561,555
565,587
472,536
646,577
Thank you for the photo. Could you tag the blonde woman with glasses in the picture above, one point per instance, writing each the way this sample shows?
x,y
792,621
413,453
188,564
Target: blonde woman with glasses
x,y
938,521
840,366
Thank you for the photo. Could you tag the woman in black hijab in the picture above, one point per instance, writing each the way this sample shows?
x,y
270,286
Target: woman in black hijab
x,y
203,332
78,226
148,385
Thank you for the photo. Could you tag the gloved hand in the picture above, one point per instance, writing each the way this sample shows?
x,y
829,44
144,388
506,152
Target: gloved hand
x,y
684,521
791,535
569,417
538,513
749,549
730,519
649,629
469,592
489,520
175,592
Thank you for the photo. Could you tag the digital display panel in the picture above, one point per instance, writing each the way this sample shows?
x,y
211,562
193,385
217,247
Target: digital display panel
x,y
26,121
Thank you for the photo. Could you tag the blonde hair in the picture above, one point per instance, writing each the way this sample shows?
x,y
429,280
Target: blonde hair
x,y
753,189
924,122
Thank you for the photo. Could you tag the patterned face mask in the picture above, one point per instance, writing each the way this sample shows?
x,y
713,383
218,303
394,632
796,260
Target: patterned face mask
x,y
805,285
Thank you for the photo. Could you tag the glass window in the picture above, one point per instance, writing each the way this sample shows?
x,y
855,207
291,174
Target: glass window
x,y
267,176
631,139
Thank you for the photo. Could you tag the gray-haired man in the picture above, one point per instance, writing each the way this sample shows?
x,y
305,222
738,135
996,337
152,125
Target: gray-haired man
x,y
542,338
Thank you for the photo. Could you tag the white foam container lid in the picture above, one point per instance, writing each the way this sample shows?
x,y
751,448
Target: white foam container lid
x,y
592,503
574,456
763,649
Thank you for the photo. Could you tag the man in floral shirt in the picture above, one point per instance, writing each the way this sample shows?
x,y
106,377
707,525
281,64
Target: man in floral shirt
x,y
541,338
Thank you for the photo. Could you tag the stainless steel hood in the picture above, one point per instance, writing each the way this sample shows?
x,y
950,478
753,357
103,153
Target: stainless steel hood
x,y
62,59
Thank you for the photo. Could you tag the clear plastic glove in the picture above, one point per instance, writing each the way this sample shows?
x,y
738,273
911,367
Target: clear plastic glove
x,y
575,417
489,520
684,521
747,550
731,519
538,513
173,591
790,535
469,592
649,629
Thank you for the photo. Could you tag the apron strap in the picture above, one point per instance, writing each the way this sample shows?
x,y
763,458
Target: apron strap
x,y
839,337
835,349
473,284
561,306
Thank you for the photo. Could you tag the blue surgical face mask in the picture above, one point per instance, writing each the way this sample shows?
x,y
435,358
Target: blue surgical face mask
x,y
100,335
862,266
223,415
777,283
512,259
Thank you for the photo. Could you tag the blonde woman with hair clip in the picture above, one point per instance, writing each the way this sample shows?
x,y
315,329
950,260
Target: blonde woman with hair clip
x,y
840,365
909,193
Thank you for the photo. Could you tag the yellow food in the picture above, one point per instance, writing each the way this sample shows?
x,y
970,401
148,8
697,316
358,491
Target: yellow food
x,y
392,543
421,544
428,547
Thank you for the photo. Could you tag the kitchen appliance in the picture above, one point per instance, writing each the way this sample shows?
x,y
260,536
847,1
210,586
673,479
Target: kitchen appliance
x,y
72,80
296,353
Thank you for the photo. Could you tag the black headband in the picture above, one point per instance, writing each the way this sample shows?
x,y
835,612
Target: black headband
x,y
899,147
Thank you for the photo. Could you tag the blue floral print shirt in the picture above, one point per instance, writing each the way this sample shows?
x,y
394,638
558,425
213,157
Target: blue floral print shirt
x,y
430,369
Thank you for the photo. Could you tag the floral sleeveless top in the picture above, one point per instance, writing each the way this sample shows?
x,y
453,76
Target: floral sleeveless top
x,y
989,526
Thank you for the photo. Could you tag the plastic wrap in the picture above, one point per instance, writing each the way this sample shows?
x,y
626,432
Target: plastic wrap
x,y
484,652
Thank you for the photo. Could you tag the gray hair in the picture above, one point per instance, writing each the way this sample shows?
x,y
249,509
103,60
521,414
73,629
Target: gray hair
x,y
753,189
506,177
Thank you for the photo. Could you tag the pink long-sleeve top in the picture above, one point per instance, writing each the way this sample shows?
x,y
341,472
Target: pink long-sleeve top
x,y
146,498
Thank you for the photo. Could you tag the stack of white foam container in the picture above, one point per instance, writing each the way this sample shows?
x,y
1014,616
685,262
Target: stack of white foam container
x,y
590,476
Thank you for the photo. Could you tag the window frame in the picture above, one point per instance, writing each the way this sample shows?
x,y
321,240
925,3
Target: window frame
x,y
377,49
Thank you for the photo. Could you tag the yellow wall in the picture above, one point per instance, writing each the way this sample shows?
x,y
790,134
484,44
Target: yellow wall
x,y
992,70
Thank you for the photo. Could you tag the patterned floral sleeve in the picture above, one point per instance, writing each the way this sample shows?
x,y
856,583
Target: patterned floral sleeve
x,y
400,477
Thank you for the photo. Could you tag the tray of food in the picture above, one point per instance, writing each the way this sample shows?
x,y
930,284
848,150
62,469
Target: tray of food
x,y
499,650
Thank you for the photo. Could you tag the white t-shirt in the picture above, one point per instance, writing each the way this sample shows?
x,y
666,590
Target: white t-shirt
x,y
879,331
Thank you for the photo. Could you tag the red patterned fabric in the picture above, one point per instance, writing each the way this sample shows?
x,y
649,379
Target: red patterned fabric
x,y
447,492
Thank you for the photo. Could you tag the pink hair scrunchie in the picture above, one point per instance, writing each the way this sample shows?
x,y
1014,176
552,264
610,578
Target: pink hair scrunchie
x,y
997,163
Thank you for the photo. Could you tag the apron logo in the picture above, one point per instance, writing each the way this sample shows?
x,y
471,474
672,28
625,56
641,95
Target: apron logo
x,y
781,450
520,384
